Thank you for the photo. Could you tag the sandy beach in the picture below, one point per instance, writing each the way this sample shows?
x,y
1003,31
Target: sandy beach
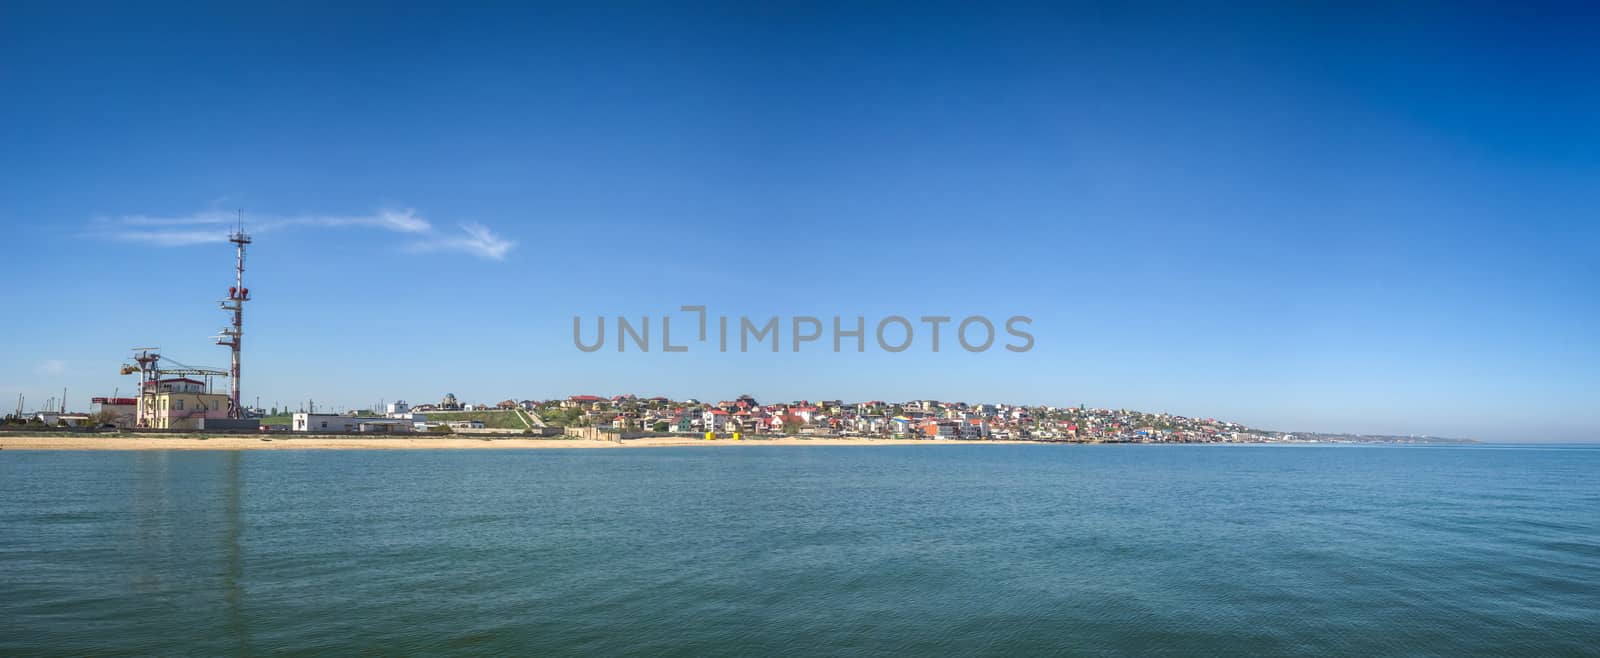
x,y
287,442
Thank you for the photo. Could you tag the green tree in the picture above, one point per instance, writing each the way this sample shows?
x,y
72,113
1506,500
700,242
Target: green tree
x,y
659,426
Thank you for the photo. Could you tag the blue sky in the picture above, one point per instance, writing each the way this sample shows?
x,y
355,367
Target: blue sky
x,y
1317,218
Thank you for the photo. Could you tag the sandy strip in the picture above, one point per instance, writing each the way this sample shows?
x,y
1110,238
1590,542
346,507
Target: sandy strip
x,y
284,442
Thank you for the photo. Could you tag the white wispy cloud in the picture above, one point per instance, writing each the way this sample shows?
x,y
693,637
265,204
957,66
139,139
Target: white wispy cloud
x,y
191,220
50,367
162,231
169,238
477,240
212,227
399,221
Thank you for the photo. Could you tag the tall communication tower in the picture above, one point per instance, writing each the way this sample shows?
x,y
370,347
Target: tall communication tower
x,y
229,337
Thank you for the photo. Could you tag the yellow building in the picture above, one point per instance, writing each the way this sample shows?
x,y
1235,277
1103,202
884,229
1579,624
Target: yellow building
x,y
180,403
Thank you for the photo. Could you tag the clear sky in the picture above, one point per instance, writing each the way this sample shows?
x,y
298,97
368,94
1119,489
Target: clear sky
x,y
1306,218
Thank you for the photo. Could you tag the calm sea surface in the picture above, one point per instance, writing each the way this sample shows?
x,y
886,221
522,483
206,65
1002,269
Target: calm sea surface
x,y
1216,550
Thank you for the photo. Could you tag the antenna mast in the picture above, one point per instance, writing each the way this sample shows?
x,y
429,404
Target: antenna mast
x,y
230,335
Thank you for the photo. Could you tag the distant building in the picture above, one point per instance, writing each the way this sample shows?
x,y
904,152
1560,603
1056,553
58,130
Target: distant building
x,y
714,420
583,401
304,422
399,410
975,428
68,419
943,429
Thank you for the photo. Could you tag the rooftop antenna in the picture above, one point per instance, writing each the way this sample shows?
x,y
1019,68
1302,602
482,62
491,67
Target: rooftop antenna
x,y
230,336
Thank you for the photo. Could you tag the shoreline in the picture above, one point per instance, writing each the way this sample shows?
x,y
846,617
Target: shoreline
x,y
457,442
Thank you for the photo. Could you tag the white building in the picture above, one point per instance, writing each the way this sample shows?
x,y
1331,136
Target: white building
x,y
399,410
714,420
304,422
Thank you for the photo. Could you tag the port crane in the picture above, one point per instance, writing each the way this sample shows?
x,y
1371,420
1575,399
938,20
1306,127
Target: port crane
x,y
147,361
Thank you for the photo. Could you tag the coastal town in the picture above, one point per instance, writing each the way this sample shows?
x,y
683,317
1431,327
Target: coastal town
x,y
929,419
627,416
912,419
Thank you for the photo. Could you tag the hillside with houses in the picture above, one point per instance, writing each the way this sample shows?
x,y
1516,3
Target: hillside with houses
x,y
876,418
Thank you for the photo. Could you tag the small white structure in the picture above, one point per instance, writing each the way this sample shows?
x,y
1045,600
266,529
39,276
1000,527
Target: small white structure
x,y
399,410
70,420
429,426
304,422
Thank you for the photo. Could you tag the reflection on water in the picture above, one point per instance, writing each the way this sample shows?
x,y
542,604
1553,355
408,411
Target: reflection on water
x,y
150,510
760,550
159,557
233,550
